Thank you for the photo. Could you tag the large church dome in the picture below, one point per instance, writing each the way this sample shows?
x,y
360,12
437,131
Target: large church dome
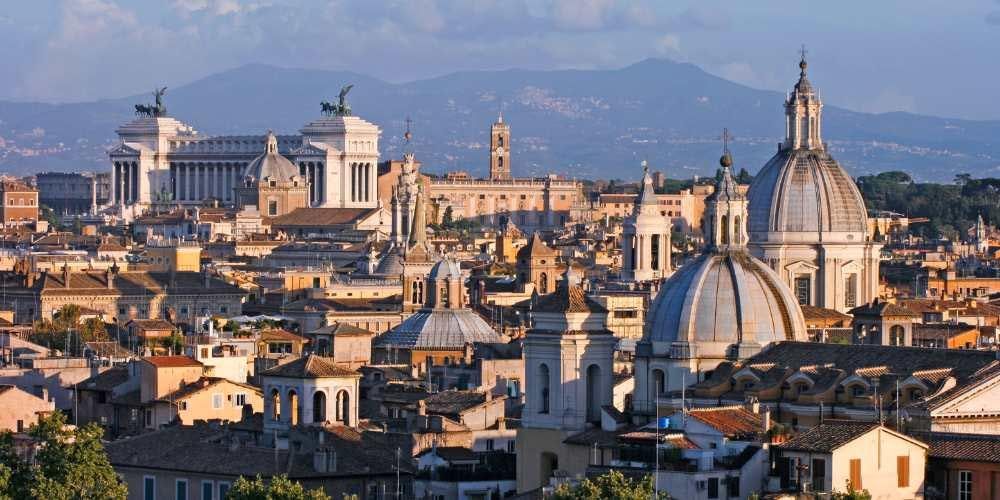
x,y
802,194
806,191
724,304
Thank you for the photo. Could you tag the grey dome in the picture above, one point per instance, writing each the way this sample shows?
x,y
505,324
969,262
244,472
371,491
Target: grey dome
x,y
446,268
724,301
271,164
805,191
440,329
391,263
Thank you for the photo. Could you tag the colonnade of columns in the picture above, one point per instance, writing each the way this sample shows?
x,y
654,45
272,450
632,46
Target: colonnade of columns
x,y
199,181
315,174
362,177
125,182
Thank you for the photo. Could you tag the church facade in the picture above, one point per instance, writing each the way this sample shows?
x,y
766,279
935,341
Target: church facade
x,y
162,161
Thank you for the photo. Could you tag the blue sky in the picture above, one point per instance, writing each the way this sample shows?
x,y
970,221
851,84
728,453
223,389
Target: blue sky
x,y
925,56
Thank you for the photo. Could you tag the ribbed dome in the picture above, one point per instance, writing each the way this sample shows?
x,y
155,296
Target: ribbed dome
x,y
724,304
271,164
440,329
806,191
391,263
446,268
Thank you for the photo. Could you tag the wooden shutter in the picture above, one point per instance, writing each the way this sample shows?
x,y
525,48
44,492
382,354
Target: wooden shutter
x,y
856,473
903,471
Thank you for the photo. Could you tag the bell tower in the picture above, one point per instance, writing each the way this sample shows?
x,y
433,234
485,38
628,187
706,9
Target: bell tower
x,y
500,150
803,113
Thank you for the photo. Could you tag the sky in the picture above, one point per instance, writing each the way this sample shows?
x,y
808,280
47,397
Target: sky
x,y
925,56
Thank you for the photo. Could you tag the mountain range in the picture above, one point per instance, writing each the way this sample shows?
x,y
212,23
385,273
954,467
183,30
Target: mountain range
x,y
578,123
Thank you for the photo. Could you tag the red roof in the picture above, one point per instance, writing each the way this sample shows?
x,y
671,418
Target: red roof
x,y
171,361
730,421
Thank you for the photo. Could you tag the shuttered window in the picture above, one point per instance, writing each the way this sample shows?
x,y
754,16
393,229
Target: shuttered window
x,y
856,473
903,471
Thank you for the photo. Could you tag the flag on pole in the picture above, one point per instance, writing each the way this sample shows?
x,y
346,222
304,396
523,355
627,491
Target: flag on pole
x,y
663,423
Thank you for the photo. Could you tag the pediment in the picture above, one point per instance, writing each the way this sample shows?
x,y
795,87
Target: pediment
x,y
801,266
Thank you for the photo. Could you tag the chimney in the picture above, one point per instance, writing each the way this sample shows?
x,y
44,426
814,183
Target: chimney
x,y
421,407
208,280
45,393
766,414
66,275
109,277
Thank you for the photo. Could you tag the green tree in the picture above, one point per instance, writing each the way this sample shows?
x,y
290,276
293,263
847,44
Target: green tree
x,y
609,485
448,217
94,330
69,464
278,488
174,343
852,494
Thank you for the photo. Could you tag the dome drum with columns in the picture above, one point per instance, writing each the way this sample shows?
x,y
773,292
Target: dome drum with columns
x,y
808,220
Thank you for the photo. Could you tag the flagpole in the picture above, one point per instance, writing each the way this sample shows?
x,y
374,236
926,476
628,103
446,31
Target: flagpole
x,y
656,449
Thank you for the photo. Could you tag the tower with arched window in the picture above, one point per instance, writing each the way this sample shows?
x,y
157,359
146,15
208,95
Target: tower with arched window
x,y
646,237
500,150
568,379
312,390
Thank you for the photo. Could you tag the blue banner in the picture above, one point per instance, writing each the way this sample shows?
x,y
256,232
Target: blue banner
x,y
663,423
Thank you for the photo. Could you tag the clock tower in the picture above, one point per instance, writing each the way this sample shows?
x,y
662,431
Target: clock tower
x,y
500,150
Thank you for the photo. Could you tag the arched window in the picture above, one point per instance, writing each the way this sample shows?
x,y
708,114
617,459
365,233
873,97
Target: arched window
x,y
444,296
293,407
724,231
319,407
594,393
543,283
500,140
275,405
635,252
415,295
659,382
737,237
344,407
543,388
851,291
500,161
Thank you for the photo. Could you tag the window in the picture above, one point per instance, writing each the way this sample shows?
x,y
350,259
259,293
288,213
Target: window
x,y
856,474
216,401
713,487
489,445
182,489
223,489
733,485
148,418
819,474
857,390
965,485
224,309
903,471
272,207
513,388
207,490
543,376
802,290
241,400
149,488
511,446
851,291
183,405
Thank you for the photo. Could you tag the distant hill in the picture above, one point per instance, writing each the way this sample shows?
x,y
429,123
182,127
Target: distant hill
x,y
583,124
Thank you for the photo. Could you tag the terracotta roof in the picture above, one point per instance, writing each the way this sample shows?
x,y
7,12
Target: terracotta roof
x,y
313,217
730,421
568,299
339,329
136,283
106,380
536,248
282,335
881,308
829,436
813,312
311,366
209,449
152,324
965,447
171,361
454,403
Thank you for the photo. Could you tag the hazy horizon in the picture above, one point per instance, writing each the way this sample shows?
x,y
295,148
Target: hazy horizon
x,y
865,55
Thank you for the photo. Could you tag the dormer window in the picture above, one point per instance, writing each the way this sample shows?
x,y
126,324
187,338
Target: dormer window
x,y
857,390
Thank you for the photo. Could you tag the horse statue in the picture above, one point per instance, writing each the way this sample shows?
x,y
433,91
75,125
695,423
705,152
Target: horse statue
x,y
143,110
329,109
